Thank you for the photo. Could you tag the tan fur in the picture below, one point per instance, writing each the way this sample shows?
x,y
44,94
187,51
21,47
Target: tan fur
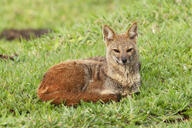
x,y
97,78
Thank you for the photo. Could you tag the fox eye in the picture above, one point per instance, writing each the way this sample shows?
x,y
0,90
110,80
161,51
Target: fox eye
x,y
129,50
116,50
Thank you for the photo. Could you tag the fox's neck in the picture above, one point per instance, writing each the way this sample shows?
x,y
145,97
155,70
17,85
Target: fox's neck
x,y
123,74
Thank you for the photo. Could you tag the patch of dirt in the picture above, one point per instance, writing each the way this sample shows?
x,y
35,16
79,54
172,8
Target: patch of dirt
x,y
183,118
12,111
27,34
6,57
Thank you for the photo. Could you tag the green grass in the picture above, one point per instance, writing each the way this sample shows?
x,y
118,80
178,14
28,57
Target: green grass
x,y
165,48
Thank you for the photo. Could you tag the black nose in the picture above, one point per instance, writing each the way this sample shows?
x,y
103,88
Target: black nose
x,y
124,60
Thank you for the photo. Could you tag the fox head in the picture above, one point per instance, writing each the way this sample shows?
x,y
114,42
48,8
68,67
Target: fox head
x,y
121,49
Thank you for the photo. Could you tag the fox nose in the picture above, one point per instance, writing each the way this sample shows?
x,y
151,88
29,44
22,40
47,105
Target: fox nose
x,y
124,60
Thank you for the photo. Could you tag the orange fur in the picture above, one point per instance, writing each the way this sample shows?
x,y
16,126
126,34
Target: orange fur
x,y
97,78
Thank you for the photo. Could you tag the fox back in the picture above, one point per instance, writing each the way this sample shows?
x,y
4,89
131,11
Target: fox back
x,y
98,78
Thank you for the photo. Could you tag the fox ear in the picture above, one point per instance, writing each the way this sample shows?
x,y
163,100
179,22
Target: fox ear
x,y
108,33
132,32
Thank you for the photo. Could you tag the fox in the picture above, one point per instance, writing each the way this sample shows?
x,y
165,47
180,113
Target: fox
x,y
107,78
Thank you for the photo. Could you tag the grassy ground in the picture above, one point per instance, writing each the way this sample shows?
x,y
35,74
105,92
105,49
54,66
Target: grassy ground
x,y
165,34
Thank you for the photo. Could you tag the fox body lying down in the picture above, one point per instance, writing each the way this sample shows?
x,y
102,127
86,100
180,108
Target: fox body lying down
x,y
99,78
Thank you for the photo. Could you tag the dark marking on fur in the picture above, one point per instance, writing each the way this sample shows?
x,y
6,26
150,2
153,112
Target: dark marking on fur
x,y
6,57
119,97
